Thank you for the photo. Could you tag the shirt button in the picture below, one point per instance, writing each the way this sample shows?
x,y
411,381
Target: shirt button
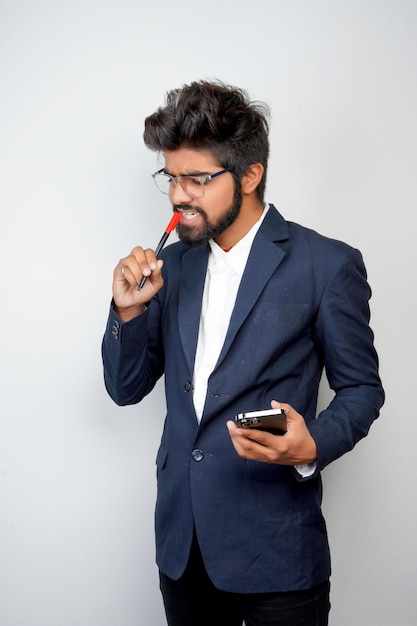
x,y
197,455
187,386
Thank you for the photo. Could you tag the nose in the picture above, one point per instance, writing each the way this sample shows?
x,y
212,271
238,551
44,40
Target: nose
x,y
178,195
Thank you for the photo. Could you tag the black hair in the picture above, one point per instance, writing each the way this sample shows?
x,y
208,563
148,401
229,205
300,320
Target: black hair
x,y
215,117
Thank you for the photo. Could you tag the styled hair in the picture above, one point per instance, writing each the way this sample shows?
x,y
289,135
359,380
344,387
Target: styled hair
x,y
217,118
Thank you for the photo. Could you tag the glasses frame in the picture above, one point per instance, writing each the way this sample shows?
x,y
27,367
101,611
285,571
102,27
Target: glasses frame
x,y
178,179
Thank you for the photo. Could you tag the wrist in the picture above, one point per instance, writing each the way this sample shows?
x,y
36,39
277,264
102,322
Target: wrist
x,y
128,313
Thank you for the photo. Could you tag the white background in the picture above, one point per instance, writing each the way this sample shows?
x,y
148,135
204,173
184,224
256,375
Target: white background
x,y
77,473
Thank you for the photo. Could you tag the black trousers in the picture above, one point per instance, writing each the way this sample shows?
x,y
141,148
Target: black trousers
x,y
193,600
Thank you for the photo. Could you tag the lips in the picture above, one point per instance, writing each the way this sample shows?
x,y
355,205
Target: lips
x,y
189,215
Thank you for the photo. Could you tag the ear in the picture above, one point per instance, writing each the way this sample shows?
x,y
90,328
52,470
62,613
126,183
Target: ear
x,y
252,177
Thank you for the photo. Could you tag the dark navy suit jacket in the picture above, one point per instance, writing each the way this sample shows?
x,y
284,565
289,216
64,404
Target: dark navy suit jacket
x,y
302,306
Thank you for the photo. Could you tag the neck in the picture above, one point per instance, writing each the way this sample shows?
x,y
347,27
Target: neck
x,y
247,218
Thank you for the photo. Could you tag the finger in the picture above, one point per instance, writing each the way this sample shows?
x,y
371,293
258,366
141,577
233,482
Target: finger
x,y
237,434
149,266
154,278
133,267
247,437
146,260
289,410
123,272
250,449
281,405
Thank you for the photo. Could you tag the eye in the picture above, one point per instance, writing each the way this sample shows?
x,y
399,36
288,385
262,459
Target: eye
x,y
193,180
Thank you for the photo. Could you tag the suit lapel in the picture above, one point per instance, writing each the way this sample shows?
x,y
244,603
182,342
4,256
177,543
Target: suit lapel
x,y
264,258
262,263
193,275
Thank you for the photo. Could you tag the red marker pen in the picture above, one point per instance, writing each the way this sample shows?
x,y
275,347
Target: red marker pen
x,y
168,230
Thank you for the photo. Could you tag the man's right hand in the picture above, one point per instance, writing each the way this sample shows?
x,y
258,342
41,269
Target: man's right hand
x,y
128,301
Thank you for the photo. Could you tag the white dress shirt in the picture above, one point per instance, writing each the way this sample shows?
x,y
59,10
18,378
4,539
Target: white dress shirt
x,y
224,273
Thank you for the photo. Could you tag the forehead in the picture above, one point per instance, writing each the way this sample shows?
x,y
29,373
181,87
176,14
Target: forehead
x,y
187,160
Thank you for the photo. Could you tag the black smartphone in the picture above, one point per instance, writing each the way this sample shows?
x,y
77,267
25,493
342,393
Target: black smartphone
x,y
272,420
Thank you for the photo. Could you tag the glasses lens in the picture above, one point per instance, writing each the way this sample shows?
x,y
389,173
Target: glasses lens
x,y
193,186
162,181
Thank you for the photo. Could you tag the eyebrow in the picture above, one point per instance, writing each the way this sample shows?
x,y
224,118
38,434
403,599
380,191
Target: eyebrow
x,y
192,173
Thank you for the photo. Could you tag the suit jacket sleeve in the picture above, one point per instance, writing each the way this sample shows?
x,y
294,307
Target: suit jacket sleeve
x,y
132,357
344,338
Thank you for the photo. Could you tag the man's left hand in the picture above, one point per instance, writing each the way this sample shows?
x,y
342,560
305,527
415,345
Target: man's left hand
x,y
296,447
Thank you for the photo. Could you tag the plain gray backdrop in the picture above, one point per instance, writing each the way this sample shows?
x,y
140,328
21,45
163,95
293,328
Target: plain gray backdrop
x,y
77,473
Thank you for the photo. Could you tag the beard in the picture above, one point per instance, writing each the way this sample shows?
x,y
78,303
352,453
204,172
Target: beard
x,y
197,238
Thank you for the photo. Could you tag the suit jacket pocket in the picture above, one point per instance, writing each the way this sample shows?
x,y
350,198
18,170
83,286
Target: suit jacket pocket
x,y
269,472
161,457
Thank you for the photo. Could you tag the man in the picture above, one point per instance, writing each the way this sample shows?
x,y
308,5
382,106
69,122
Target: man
x,y
242,314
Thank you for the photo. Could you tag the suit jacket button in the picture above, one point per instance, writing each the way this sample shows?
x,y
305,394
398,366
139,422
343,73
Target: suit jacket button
x,y
187,386
197,455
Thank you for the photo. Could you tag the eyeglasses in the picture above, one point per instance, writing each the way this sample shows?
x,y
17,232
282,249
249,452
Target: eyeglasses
x,y
192,185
